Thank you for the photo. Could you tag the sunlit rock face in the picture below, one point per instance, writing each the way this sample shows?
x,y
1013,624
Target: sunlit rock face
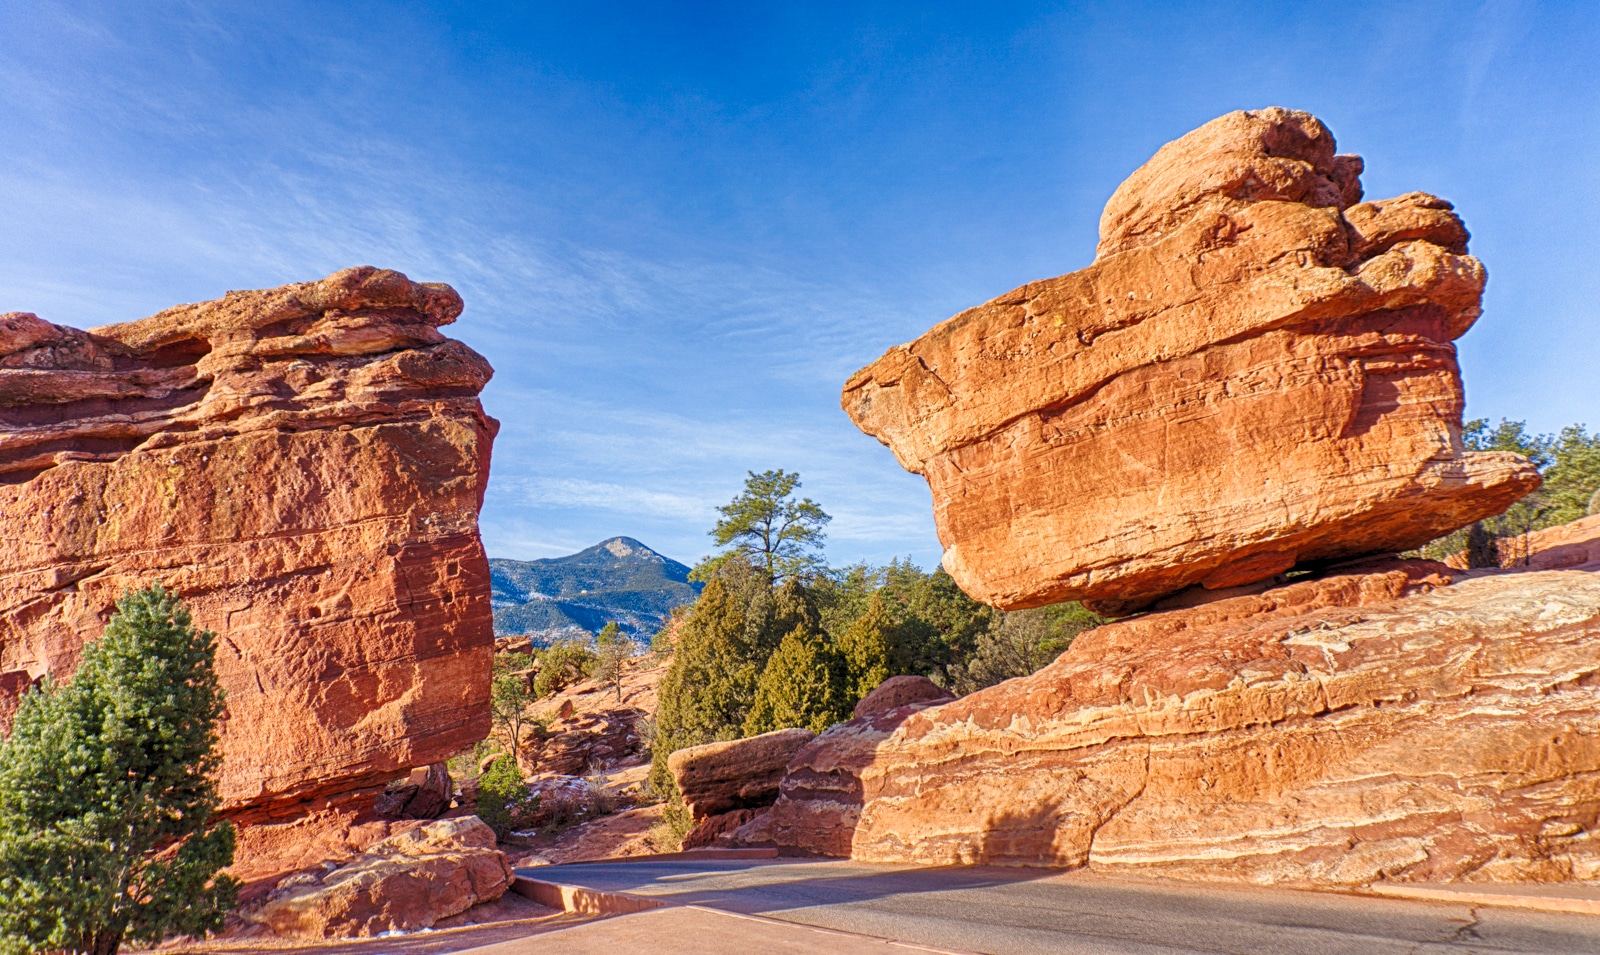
x,y
303,465
1256,372
1381,724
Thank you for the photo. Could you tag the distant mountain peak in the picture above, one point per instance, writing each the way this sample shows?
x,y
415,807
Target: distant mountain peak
x,y
618,579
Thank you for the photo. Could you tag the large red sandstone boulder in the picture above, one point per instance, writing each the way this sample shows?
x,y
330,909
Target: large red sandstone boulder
x,y
404,883
304,465
1375,724
1256,372
723,783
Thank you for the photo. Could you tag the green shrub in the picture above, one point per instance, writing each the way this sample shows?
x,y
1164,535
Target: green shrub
x,y
1022,642
562,664
503,801
108,795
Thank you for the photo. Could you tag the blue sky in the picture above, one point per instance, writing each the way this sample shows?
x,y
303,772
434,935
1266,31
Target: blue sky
x,y
679,227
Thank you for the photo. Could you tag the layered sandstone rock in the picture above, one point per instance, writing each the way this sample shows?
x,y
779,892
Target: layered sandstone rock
x,y
304,466
1256,372
404,883
1373,724
724,783
820,797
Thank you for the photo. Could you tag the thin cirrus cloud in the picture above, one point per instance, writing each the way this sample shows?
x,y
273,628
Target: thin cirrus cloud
x,y
678,232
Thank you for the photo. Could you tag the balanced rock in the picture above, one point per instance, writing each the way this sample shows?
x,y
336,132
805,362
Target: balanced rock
x,y
1257,371
404,883
1376,724
304,466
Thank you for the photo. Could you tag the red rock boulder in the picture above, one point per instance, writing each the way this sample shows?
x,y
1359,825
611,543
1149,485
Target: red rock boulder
x,y
304,465
721,783
1257,371
403,883
1376,724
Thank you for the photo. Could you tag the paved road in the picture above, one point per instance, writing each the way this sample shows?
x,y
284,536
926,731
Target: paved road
x,y
1020,911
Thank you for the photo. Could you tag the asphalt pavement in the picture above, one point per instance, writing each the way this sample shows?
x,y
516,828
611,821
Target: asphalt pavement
x,y
1003,911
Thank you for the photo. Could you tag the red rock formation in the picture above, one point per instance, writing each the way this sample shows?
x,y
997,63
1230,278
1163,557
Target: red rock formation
x,y
406,882
1256,372
722,783
898,691
304,466
1370,725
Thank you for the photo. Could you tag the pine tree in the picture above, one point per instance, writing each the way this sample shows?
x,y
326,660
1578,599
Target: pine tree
x,y
804,684
108,792
613,649
711,683
866,647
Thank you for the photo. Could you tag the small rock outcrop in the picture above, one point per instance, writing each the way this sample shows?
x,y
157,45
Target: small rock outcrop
x,y
723,784
820,796
1256,372
303,465
427,794
403,883
898,691
1381,723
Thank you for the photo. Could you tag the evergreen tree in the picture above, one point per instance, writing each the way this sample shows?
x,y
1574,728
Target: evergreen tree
x,y
613,648
866,647
804,684
510,696
108,796
716,664
1570,465
769,528
503,802
1020,643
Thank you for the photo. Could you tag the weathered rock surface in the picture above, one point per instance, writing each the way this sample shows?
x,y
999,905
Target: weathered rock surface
x,y
1574,546
304,465
721,782
1257,371
1373,724
900,691
820,796
403,883
427,794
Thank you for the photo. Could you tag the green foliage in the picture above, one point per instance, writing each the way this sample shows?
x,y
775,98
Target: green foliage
x,y
503,796
1020,643
612,650
934,624
1570,464
867,647
509,699
805,681
107,792
722,648
769,528
1572,481
560,665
